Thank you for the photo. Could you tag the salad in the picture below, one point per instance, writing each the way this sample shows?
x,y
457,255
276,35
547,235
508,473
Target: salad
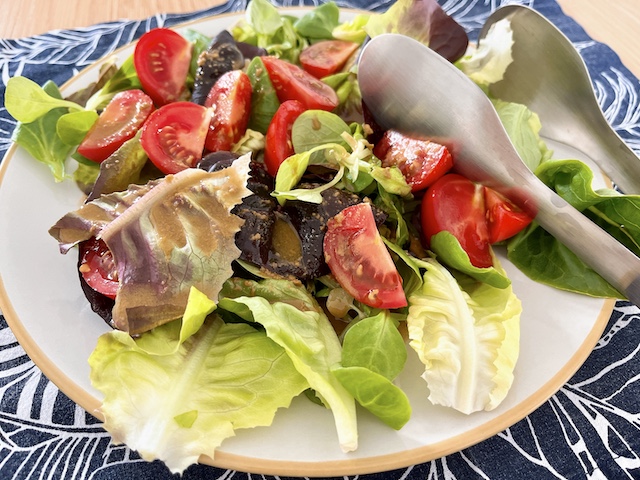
x,y
252,236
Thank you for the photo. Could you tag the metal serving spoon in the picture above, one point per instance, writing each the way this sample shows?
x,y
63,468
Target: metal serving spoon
x,y
411,88
549,76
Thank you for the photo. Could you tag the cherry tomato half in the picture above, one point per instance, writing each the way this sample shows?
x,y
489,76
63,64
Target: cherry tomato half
x,y
230,98
359,259
326,57
162,58
504,218
278,146
174,135
98,268
421,162
293,83
456,204
118,122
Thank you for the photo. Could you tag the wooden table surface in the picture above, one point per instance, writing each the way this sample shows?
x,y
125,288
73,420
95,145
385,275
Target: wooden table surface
x,y
615,23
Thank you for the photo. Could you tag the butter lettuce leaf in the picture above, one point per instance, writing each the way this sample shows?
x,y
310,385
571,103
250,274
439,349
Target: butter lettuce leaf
x,y
468,339
165,237
297,324
179,403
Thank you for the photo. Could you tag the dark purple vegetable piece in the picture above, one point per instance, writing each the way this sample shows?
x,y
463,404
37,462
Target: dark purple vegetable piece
x,y
222,56
218,160
250,51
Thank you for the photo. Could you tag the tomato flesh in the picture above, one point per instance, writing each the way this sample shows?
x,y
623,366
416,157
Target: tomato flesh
x,y
173,136
230,99
162,59
278,146
359,259
421,162
504,218
98,267
326,57
118,122
456,204
293,83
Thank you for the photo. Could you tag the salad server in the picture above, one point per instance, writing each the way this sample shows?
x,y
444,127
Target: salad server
x,y
409,87
549,76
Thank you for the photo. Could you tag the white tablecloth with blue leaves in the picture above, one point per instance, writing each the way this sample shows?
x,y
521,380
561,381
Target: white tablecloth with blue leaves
x,y
589,429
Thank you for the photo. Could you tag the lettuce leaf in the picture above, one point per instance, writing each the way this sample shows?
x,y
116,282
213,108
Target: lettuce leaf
x,y
177,403
296,323
424,21
543,259
165,237
468,339
488,63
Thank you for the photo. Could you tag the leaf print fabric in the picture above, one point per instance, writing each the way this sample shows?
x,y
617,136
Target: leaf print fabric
x,y
589,429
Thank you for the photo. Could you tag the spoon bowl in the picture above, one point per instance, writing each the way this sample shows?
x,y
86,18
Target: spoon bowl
x,y
409,87
549,76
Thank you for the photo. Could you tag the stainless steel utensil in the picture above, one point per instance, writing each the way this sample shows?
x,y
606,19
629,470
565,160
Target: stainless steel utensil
x,y
549,76
409,87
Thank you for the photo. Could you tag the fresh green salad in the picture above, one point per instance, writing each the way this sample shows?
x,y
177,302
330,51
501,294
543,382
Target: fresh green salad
x,y
252,235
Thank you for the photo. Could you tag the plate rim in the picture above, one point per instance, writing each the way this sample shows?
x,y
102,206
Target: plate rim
x,y
354,466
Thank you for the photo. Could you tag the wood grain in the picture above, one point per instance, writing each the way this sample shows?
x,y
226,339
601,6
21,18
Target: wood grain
x,y
615,23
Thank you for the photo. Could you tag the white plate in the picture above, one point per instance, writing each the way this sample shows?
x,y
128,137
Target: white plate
x,y
41,299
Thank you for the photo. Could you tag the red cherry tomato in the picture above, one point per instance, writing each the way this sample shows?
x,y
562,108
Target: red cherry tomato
x,y
230,98
360,261
174,135
421,162
293,83
162,58
98,268
456,204
504,218
118,122
278,146
326,57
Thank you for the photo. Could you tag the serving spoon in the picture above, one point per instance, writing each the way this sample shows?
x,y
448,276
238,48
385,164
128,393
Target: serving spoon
x,y
410,88
549,76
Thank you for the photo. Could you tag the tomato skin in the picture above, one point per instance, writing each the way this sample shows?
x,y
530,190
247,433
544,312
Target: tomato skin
x,y
278,146
98,268
118,122
326,57
173,136
230,98
456,204
422,162
293,83
504,218
162,58
359,259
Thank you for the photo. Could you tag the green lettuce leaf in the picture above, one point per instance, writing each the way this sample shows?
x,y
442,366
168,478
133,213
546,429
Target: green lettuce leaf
x,y
487,63
177,402
543,259
373,354
183,224
297,324
468,339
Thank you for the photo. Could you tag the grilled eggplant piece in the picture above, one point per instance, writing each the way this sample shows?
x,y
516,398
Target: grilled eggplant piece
x,y
223,55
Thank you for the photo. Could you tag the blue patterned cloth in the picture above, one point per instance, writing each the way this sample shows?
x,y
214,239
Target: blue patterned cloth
x,y
588,429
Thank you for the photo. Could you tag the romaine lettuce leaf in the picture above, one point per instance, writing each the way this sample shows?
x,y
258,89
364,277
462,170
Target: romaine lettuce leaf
x,y
467,339
165,237
297,324
177,403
